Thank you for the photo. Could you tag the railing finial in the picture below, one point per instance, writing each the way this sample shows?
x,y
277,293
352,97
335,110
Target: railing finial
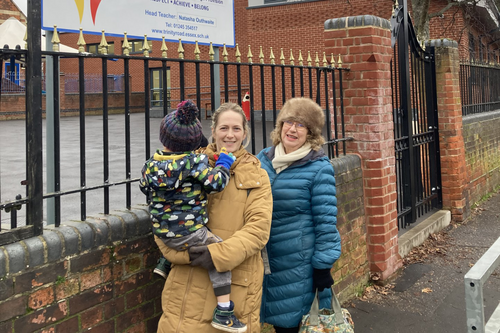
x,y
180,50
125,45
271,56
237,54
164,47
301,60
145,46
55,40
282,57
292,59
249,55
309,60
26,39
211,52
332,61
196,50
325,62
316,60
103,46
224,53
261,55
339,62
81,42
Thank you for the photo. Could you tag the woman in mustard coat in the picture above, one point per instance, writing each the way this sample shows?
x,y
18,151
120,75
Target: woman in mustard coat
x,y
241,216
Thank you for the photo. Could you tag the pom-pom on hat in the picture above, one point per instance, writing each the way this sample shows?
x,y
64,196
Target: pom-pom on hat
x,y
181,130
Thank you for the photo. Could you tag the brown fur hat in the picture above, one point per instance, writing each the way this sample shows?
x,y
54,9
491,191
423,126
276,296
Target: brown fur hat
x,y
304,111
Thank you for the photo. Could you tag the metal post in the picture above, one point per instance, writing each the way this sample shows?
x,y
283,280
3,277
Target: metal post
x,y
34,165
49,123
216,80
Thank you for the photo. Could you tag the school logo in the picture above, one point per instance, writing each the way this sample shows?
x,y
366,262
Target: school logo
x,y
94,4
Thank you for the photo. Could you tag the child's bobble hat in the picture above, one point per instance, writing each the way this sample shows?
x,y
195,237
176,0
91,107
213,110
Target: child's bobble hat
x,y
180,130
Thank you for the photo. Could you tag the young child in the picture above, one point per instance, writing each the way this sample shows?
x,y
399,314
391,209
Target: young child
x,y
176,182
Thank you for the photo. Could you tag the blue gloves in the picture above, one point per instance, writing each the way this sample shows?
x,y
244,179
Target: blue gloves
x,y
225,159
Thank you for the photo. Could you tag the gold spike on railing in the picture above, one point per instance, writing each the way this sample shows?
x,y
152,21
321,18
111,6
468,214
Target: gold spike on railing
x,y
211,52
332,61
55,40
292,59
103,46
301,60
180,50
26,39
125,45
145,46
249,55
237,53
271,56
224,53
397,4
316,60
261,56
196,50
325,62
164,47
339,62
309,60
282,57
81,42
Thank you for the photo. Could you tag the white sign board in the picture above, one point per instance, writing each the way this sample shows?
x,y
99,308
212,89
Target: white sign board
x,y
204,21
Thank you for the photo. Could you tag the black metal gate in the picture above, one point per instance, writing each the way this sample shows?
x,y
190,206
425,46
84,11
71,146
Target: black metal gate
x,y
416,136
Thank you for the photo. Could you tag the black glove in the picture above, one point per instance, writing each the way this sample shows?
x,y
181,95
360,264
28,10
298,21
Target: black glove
x,y
322,279
200,256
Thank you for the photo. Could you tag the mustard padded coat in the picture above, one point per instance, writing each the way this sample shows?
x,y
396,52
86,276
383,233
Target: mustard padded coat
x,y
241,216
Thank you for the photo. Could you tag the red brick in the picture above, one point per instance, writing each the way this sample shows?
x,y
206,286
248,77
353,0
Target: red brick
x,y
90,280
41,318
41,298
91,317
13,307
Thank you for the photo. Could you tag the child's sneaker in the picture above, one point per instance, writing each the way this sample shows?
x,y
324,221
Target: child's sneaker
x,y
162,268
225,320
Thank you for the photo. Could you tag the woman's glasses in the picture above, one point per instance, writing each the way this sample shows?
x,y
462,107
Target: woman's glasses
x,y
298,126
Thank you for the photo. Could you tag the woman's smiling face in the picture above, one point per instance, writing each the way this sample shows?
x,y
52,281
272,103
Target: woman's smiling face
x,y
229,131
293,135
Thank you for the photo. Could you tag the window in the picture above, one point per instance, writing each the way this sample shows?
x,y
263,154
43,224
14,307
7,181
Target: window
x,y
94,48
136,46
472,47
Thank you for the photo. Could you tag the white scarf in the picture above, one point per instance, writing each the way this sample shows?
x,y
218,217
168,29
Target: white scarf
x,y
283,160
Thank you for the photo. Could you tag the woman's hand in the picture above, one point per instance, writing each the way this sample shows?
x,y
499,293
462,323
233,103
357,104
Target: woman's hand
x,y
200,256
322,279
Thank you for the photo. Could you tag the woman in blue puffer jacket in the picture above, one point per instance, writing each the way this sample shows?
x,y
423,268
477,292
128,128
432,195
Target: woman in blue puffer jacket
x,y
304,241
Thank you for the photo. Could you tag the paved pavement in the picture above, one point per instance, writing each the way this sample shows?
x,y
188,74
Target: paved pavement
x,y
429,297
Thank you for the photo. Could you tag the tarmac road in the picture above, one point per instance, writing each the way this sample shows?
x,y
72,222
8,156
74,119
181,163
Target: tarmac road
x,y
407,308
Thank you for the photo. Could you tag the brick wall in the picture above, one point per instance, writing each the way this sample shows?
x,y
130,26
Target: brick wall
x,y
9,9
351,271
365,45
97,275
482,153
93,275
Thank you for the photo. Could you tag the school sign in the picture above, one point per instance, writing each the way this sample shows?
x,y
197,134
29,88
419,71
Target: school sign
x,y
204,21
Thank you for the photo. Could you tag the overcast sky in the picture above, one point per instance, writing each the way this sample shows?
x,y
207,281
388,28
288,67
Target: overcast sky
x,y
22,4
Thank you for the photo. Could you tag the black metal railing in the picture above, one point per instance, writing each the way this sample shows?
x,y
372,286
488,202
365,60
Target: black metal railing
x,y
413,81
270,85
479,87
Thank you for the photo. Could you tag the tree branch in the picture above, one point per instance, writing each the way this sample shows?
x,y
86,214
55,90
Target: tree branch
x,y
450,4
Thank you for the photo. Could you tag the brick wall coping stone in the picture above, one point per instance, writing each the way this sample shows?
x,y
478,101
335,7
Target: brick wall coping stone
x,y
346,163
442,43
74,237
357,21
477,117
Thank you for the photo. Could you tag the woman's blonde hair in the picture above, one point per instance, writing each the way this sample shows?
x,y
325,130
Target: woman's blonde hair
x,y
304,111
229,106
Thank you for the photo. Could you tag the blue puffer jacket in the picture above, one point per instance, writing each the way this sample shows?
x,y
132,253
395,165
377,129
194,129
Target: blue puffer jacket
x,y
303,236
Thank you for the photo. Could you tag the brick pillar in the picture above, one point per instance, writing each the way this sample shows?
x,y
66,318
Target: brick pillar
x,y
451,142
364,43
